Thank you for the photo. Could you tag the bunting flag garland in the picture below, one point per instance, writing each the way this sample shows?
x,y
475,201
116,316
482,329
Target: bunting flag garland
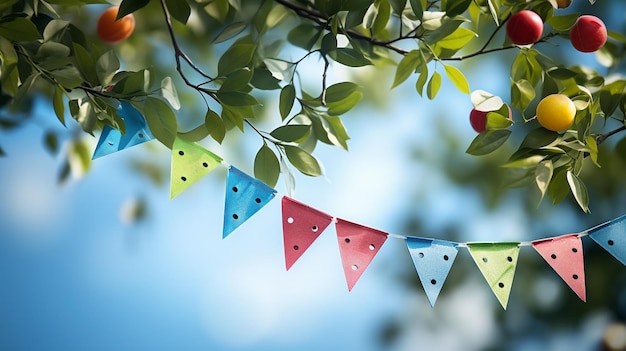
x,y
433,260
358,245
112,140
497,262
611,237
565,255
302,225
190,162
244,197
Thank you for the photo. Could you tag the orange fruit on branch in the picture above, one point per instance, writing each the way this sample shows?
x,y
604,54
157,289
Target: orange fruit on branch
x,y
112,31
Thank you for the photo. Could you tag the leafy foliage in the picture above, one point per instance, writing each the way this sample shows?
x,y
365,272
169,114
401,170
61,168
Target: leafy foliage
x,y
42,53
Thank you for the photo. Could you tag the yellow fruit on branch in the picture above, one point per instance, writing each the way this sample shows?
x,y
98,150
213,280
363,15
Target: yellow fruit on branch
x,y
556,112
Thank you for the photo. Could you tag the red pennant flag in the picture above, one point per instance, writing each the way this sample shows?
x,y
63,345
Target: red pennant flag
x,y
565,255
358,245
302,225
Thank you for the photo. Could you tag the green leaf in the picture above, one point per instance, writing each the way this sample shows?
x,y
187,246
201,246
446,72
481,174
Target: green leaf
x,y
380,18
563,23
579,190
179,9
543,174
69,77
340,91
349,57
51,142
85,64
215,126
236,57
106,66
304,36
130,6
433,85
168,92
19,29
79,158
522,93
406,67
237,114
418,7
340,107
457,77
329,43
488,141
423,77
538,138
83,112
456,7
593,149
262,79
527,162
398,6
57,104
291,132
281,70
230,31
161,120
266,166
238,80
303,161
457,40
286,100
558,187
235,98
198,133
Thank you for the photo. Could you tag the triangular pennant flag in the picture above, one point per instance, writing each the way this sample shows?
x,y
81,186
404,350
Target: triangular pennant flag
x,y
612,237
190,162
497,262
433,260
565,255
244,197
112,140
302,225
357,245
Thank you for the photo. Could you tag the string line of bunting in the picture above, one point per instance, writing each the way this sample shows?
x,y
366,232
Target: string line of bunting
x,y
359,244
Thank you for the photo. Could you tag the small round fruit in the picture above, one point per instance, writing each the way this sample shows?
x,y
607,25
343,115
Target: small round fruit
x,y
563,3
588,34
556,112
524,28
114,31
478,119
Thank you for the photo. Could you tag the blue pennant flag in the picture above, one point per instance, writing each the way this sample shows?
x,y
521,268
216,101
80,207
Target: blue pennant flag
x,y
245,195
112,140
433,260
612,237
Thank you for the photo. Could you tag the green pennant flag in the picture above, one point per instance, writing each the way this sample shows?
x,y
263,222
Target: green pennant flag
x,y
190,162
497,262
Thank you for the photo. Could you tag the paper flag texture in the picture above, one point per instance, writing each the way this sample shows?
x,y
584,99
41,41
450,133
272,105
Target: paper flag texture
x,y
357,245
302,225
190,162
433,260
497,262
112,140
612,237
565,255
245,195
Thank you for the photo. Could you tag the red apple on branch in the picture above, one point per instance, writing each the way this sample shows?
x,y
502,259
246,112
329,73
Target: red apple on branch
x,y
524,27
588,34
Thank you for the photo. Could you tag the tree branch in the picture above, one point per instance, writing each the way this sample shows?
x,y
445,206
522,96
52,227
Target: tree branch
x,y
179,53
602,137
